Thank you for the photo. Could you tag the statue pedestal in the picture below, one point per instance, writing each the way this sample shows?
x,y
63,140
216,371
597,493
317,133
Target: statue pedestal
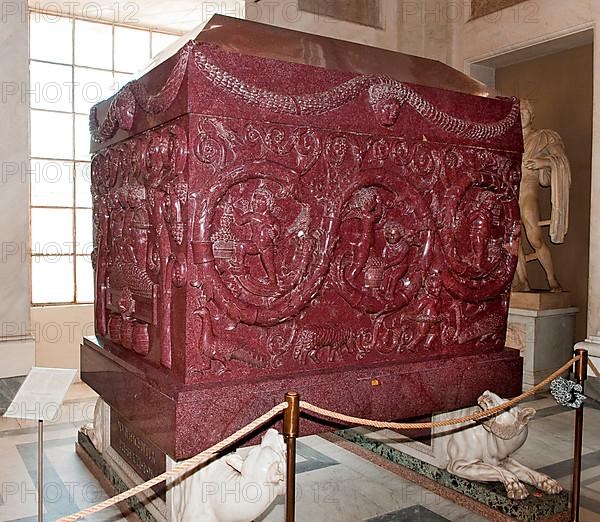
x,y
543,334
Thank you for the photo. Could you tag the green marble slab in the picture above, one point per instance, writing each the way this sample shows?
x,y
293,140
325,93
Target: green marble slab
x,y
113,478
537,506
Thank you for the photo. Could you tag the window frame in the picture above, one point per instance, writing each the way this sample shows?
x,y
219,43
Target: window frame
x,y
73,256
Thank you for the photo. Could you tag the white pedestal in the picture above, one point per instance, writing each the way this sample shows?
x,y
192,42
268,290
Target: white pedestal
x,y
545,339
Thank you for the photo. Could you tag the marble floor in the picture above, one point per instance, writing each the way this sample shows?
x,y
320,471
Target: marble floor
x,y
334,484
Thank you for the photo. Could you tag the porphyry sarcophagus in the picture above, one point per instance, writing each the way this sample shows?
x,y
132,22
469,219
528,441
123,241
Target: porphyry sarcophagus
x,y
263,222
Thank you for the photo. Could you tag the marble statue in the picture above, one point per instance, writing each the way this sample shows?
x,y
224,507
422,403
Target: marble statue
x,y
544,163
483,450
95,429
233,488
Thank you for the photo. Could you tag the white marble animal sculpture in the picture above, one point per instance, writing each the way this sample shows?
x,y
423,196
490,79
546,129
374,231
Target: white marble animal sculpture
x,y
482,451
95,429
233,488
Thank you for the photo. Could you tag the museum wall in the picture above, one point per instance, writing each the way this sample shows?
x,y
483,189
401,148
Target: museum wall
x,y
16,343
418,28
58,331
563,104
520,27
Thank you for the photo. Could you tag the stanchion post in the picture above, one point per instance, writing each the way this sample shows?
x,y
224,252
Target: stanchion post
x,y
291,425
40,481
580,376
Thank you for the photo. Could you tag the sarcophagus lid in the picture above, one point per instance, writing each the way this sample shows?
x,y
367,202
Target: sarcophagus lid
x,y
278,210
267,41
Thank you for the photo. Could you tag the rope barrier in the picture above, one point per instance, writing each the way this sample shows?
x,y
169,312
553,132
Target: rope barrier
x,y
347,419
191,463
594,368
182,467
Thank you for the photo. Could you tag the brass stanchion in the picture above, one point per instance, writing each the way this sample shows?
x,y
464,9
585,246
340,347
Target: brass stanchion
x,y
291,424
580,372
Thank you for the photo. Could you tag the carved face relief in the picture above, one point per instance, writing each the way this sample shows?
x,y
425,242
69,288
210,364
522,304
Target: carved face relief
x,y
387,111
392,233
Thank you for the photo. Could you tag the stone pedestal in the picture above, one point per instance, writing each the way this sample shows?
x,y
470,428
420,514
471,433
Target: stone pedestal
x,y
545,339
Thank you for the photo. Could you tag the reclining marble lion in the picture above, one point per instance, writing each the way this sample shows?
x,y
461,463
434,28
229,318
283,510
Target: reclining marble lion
x,y
483,451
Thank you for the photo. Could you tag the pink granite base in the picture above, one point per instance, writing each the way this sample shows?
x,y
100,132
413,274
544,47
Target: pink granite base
x,y
173,416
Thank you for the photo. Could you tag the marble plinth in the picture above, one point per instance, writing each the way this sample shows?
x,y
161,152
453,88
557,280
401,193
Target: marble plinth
x,y
540,300
536,507
545,339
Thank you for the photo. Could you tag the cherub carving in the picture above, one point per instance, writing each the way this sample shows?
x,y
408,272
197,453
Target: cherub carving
x,y
426,323
265,229
366,209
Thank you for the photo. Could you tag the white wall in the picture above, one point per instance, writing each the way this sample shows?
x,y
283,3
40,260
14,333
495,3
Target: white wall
x,y
58,332
16,343
406,26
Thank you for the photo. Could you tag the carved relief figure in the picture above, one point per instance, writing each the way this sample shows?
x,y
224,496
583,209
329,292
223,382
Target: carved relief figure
x,y
265,229
395,255
366,210
544,163
427,323
482,450
217,350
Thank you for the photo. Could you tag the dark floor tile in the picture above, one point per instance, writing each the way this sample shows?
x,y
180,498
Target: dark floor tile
x,y
409,514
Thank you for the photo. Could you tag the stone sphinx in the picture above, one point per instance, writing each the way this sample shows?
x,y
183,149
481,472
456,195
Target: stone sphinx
x,y
270,219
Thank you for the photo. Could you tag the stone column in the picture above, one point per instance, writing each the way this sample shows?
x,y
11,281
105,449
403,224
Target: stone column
x,y
592,343
17,348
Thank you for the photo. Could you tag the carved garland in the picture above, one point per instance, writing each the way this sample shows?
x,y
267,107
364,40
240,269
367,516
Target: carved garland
x,y
122,108
380,89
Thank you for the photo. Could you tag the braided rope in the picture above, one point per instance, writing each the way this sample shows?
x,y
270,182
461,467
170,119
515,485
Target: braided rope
x,y
182,467
191,463
594,368
347,419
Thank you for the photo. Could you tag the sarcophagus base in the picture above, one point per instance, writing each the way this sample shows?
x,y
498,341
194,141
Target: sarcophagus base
x,y
183,420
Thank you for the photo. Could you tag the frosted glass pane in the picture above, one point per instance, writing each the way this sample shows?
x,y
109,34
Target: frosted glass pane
x,y
161,41
51,231
83,232
50,86
51,135
52,279
85,280
51,183
91,87
83,194
51,38
132,49
93,44
82,137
